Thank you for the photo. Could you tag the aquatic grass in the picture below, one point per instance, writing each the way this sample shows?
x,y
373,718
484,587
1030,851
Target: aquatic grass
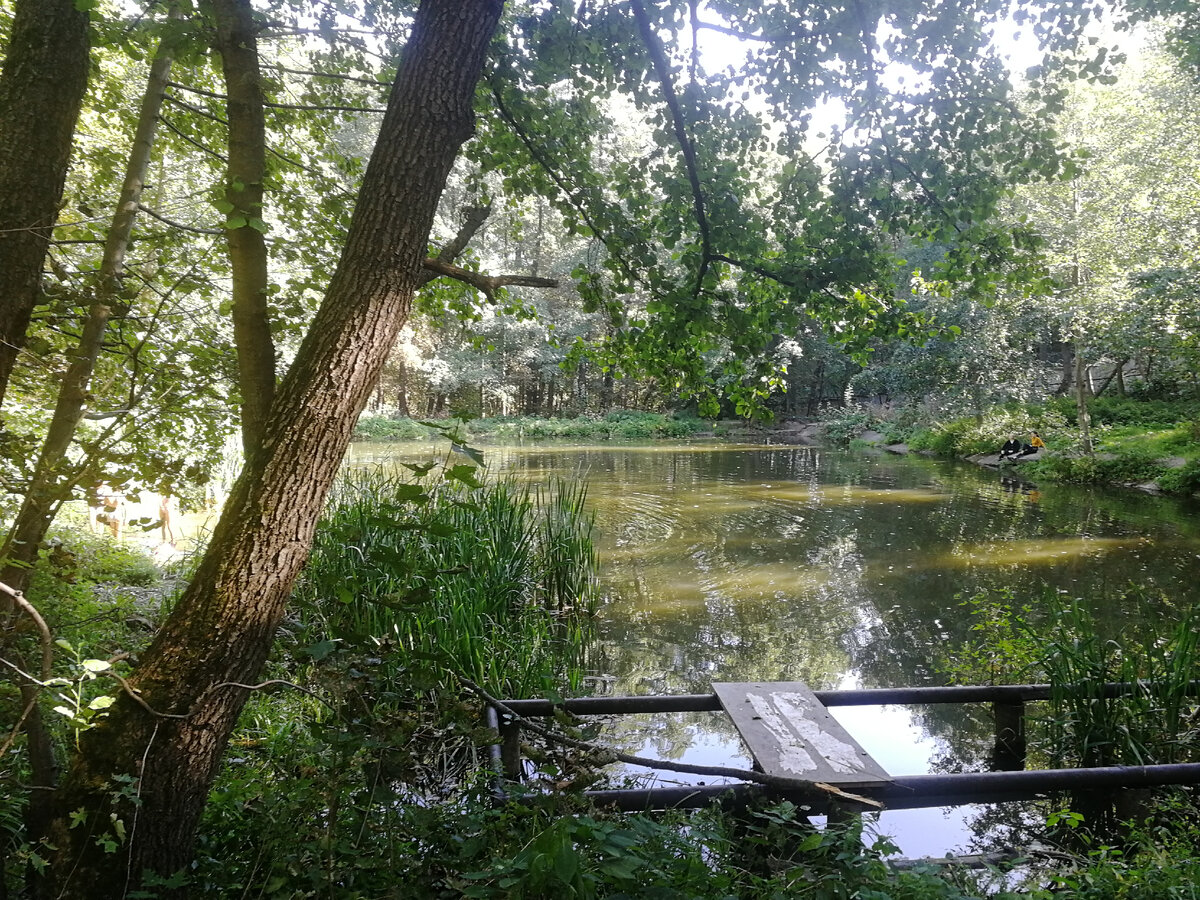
x,y
1059,641
1155,722
496,583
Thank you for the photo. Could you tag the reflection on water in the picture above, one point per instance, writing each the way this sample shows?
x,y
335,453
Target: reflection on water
x,y
779,563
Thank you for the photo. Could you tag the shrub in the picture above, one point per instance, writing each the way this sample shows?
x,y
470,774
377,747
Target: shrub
x,y
1184,480
844,425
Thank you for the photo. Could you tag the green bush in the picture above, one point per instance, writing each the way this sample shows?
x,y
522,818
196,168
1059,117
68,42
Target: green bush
x,y
1184,480
1107,410
948,439
844,425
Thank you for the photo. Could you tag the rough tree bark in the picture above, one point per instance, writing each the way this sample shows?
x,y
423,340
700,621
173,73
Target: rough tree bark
x,y
237,42
42,85
221,629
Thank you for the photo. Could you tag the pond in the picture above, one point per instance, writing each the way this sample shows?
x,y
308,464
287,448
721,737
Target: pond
x,y
736,562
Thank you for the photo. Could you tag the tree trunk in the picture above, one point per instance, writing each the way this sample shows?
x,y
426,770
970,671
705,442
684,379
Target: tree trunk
x,y
1081,403
221,629
1114,374
42,85
54,477
402,389
237,42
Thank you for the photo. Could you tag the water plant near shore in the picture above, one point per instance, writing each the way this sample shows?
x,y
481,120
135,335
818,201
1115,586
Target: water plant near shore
x,y
495,582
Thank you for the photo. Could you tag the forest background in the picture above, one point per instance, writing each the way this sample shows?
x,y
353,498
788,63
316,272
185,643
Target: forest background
x,y
868,183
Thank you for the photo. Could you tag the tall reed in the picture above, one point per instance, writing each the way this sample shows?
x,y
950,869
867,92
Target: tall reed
x,y
1155,722
496,583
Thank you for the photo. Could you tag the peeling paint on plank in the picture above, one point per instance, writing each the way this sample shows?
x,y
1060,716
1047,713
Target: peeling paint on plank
x,y
791,734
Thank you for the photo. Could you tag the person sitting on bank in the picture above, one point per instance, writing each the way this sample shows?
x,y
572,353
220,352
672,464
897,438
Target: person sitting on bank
x,y
1036,441
1011,447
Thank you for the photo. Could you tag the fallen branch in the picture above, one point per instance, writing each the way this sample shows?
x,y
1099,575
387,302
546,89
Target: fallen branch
x,y
29,691
607,755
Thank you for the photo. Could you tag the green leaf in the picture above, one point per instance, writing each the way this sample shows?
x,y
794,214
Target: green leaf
x,y
104,701
470,452
407,493
258,225
465,475
96,665
235,222
319,650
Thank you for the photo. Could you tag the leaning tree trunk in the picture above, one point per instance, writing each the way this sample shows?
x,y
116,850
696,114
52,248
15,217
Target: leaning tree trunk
x,y
196,674
237,42
42,85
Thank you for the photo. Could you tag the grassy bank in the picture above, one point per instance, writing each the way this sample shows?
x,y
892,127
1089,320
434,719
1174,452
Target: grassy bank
x,y
617,425
1133,441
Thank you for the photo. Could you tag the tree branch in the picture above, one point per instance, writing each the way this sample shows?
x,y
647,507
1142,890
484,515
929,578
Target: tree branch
x,y
361,109
43,629
194,230
473,220
191,140
195,109
538,155
488,284
315,74
663,70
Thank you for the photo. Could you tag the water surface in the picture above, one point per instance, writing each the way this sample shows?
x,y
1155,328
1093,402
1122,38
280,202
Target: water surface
x,y
726,562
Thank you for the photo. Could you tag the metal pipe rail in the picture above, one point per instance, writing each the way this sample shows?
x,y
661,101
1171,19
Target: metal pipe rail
x,y
1014,782
913,791
1007,693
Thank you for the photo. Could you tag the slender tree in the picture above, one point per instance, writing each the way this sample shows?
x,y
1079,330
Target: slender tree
x,y
54,474
42,84
237,43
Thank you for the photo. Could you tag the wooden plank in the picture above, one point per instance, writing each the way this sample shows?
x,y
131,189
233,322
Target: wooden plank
x,y
792,735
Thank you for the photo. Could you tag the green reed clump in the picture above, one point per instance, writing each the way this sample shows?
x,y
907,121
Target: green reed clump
x,y
1050,639
1155,722
496,582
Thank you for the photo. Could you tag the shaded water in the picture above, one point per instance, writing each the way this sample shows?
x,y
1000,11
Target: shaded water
x,y
730,562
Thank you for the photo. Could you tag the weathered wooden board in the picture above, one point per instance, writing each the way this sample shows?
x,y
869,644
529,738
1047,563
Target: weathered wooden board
x,y
791,734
